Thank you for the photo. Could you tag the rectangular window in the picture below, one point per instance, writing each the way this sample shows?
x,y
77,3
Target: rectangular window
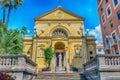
x,y
111,24
100,50
106,1
115,2
107,43
91,57
103,18
116,51
114,38
101,9
108,11
118,15
105,30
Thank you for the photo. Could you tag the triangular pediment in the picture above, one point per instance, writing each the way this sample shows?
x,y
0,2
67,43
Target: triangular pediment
x,y
59,14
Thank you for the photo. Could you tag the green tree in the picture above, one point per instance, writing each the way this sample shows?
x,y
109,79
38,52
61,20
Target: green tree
x,y
49,54
24,31
11,41
9,5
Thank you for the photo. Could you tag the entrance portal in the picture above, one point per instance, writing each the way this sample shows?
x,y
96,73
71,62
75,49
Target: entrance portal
x,y
60,56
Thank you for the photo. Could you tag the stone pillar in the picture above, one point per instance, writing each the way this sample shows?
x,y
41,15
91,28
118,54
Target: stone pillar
x,y
19,76
67,63
52,67
84,49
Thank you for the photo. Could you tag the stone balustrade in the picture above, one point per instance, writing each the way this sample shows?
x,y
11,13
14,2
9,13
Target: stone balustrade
x,y
102,67
19,66
112,60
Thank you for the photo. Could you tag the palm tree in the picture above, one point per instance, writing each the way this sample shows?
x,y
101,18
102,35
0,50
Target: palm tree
x,y
24,31
11,41
4,4
10,4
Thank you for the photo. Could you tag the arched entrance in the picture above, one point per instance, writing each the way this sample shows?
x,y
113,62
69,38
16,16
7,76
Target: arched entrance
x,y
60,55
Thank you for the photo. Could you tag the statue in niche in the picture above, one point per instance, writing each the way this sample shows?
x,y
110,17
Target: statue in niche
x,y
60,60
77,50
41,53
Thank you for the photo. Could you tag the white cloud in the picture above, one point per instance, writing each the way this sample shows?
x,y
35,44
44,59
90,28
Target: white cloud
x,y
28,31
97,33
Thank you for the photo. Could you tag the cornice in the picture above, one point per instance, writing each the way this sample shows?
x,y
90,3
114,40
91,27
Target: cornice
x,y
59,20
64,10
66,22
69,37
100,4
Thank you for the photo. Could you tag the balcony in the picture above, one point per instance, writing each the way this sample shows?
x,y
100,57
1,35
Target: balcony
x,y
114,43
107,48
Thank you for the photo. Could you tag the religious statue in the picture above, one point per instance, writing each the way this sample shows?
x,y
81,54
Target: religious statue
x,y
78,53
77,50
41,53
60,60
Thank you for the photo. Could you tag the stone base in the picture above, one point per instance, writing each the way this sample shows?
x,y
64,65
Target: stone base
x,y
60,70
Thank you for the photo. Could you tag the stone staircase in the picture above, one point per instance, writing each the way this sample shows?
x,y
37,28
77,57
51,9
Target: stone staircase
x,y
60,70
58,76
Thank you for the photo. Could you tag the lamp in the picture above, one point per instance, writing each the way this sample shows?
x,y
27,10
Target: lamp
x,y
80,32
37,36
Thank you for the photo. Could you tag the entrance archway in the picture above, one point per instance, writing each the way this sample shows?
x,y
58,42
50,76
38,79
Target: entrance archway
x,y
60,54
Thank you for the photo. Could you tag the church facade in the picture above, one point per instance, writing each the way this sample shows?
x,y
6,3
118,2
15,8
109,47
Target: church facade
x,y
72,48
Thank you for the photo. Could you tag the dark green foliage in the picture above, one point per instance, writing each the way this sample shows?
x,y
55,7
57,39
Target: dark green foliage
x,y
74,69
46,69
24,31
11,41
49,54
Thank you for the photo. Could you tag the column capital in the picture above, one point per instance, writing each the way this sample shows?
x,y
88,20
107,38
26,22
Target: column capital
x,y
66,48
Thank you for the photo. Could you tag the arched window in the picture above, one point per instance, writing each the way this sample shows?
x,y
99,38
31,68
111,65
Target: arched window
x,y
59,33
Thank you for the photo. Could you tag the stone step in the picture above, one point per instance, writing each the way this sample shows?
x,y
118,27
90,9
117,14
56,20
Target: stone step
x,y
58,76
56,79
60,70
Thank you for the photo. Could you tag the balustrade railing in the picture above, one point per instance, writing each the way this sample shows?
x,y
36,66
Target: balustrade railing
x,y
19,66
112,60
103,60
20,61
102,63
8,61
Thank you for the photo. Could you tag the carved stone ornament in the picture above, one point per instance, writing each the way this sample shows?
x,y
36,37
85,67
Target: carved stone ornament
x,y
59,14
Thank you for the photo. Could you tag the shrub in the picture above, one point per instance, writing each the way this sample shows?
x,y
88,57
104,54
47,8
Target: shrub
x,y
5,76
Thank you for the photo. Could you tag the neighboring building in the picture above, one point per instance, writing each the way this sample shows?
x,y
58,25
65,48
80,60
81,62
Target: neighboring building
x,y
109,13
61,35
100,49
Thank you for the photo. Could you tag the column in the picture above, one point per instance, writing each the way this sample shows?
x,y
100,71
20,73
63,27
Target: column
x,y
53,63
67,64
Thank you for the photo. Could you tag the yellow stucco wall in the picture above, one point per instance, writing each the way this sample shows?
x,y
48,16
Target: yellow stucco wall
x,y
51,21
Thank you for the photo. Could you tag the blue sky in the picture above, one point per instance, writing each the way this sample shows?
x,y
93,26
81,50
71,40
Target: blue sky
x,y
30,9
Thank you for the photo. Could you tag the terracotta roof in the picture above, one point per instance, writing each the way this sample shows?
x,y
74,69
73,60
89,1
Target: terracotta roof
x,y
99,46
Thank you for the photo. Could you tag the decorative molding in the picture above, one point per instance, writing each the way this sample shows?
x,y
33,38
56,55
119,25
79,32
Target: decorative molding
x,y
63,10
